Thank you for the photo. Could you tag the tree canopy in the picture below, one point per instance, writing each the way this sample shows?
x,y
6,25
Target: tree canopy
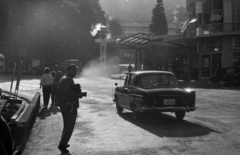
x,y
115,28
181,14
51,29
140,10
159,24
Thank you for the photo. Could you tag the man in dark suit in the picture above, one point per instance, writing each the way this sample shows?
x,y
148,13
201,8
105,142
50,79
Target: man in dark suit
x,y
68,101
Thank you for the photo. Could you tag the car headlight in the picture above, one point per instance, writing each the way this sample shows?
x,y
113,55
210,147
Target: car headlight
x,y
189,89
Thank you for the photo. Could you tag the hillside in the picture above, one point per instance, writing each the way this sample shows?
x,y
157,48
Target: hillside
x,y
139,10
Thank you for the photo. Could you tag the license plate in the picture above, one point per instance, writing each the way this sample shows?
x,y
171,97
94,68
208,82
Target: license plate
x,y
169,101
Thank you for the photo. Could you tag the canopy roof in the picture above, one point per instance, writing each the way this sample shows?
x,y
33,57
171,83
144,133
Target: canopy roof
x,y
142,39
139,39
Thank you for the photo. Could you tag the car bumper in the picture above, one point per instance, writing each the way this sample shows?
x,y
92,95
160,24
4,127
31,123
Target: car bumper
x,y
169,109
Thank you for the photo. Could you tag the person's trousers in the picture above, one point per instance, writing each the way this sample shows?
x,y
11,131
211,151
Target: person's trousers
x,y
69,119
46,94
53,93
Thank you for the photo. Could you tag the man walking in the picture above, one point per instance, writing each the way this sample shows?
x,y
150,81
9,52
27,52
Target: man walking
x,y
46,84
68,102
57,75
129,68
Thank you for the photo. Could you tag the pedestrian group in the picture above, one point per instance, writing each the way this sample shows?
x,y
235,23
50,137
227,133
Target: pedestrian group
x,y
64,96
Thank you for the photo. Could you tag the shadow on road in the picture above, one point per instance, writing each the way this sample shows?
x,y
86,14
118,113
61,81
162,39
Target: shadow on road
x,y
53,109
65,153
164,125
43,113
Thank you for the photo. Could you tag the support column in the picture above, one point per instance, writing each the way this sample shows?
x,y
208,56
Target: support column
x,y
142,67
136,63
103,53
227,15
190,50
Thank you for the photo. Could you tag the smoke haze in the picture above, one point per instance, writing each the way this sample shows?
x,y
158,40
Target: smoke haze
x,y
95,69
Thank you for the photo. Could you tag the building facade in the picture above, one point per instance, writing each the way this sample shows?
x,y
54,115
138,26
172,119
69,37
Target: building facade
x,y
214,25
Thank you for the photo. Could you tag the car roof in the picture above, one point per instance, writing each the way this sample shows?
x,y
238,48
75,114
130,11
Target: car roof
x,y
150,72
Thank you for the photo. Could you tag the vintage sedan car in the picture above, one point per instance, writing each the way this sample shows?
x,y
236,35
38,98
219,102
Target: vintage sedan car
x,y
230,76
153,91
17,117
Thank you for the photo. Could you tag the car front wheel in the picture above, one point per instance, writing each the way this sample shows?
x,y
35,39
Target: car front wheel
x,y
180,115
135,113
118,108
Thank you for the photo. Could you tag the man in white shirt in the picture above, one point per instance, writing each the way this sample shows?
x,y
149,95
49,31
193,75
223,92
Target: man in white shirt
x,y
46,84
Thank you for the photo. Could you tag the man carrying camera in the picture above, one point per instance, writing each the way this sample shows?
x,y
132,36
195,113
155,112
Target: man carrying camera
x,y
68,101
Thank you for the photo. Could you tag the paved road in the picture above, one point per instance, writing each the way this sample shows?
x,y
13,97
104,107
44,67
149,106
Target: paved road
x,y
212,129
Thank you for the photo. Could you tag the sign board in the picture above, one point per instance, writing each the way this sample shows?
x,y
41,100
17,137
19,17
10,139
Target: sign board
x,y
103,49
104,40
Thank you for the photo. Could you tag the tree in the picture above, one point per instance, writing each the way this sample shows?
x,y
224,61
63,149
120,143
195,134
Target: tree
x,y
159,24
170,16
4,7
53,30
132,10
115,28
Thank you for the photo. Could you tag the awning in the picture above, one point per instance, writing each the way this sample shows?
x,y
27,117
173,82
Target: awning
x,y
139,39
144,40
184,27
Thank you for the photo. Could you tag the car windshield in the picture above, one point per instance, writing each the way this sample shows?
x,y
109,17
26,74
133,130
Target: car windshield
x,y
157,81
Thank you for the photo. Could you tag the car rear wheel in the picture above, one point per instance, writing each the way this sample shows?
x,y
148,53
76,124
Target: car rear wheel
x,y
118,108
180,114
135,113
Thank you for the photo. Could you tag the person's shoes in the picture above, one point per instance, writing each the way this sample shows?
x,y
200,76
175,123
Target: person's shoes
x,y
63,149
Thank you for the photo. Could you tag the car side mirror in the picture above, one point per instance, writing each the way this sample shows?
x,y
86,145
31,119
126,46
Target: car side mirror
x,y
116,84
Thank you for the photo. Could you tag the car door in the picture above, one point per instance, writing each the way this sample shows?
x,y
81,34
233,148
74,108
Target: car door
x,y
127,91
122,92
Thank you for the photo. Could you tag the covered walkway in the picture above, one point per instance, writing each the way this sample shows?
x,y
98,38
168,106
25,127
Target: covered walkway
x,y
166,52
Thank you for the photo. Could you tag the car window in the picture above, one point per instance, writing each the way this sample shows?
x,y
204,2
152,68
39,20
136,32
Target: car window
x,y
132,79
127,80
160,80
173,81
